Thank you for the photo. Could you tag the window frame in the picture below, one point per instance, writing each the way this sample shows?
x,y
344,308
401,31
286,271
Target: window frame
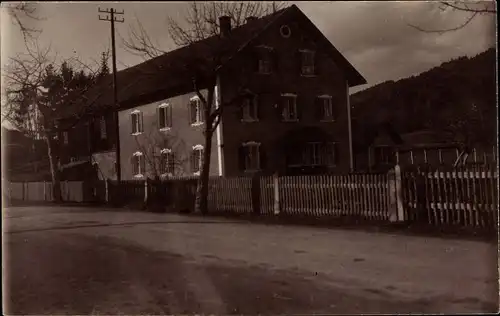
x,y
102,128
168,153
65,137
140,163
198,148
324,98
166,107
250,105
311,68
289,96
139,126
199,108
255,147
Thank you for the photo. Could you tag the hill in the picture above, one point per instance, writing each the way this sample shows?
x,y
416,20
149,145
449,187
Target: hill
x,y
458,96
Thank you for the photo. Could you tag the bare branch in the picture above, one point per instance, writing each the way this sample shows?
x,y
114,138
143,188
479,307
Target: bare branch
x,y
475,9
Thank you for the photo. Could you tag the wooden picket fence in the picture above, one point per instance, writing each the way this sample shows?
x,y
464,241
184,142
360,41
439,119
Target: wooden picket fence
x,y
461,196
71,191
353,195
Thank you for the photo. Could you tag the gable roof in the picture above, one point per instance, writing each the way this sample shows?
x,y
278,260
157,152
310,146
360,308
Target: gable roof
x,y
166,74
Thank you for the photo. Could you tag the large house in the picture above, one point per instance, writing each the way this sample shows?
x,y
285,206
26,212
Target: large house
x,y
296,120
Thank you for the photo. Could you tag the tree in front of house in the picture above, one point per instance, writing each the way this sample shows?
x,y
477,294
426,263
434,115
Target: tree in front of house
x,y
37,90
159,155
202,22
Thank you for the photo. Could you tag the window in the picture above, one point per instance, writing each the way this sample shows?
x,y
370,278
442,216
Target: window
x,y
330,154
195,111
289,111
307,62
166,162
312,154
137,122
138,165
250,109
164,116
265,64
196,159
65,138
383,155
285,31
250,156
102,128
325,108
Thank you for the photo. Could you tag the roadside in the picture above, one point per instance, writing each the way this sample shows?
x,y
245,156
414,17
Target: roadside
x,y
344,223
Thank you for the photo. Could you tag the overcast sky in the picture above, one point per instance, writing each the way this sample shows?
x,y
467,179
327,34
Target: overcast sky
x,y
373,36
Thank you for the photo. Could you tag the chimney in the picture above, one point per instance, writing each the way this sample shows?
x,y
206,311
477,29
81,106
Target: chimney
x,y
225,25
251,19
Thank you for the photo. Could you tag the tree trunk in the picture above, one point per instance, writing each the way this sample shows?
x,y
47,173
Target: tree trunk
x,y
201,202
54,169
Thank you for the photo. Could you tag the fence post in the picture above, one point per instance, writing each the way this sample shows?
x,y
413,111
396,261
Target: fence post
x,y
146,191
396,211
106,187
256,194
276,194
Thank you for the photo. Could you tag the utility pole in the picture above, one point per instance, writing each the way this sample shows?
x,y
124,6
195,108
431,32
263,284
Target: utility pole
x,y
111,18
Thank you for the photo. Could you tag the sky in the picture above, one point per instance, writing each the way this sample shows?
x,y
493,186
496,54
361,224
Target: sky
x,y
374,36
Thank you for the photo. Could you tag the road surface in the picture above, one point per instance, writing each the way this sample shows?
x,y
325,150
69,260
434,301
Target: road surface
x,y
70,260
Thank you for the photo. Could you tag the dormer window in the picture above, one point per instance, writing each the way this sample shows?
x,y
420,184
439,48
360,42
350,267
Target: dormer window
x,y
307,62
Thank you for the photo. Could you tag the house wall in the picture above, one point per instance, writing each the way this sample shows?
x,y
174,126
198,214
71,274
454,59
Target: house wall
x,y
181,137
286,79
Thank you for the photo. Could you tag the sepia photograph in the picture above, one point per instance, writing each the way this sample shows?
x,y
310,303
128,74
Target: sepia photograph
x,y
249,157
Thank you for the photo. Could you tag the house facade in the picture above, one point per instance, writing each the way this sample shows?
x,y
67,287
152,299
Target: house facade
x,y
294,119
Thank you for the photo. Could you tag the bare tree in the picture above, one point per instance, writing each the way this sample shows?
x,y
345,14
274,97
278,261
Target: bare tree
x,y
37,89
473,10
23,14
164,154
202,22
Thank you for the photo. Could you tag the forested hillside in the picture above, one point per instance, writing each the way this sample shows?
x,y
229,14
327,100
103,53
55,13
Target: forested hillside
x,y
458,96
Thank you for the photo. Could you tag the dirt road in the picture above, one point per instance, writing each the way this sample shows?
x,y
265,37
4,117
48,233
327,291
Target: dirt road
x,y
88,261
